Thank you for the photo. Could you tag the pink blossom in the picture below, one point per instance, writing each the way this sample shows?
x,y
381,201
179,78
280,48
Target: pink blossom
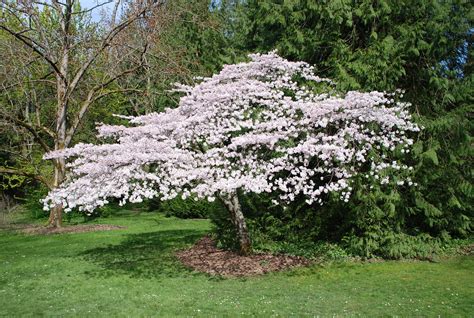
x,y
256,127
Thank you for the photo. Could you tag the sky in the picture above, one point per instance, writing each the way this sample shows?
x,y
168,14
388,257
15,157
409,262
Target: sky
x,y
91,3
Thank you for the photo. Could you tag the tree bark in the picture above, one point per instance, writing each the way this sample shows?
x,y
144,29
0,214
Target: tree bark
x,y
232,204
55,216
56,213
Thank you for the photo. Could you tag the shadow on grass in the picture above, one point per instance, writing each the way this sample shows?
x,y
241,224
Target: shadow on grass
x,y
144,255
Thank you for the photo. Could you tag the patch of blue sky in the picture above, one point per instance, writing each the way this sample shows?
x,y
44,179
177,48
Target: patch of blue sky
x,y
103,6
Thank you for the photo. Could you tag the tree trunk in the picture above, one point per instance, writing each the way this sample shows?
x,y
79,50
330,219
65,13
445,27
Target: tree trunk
x,y
56,213
62,86
232,204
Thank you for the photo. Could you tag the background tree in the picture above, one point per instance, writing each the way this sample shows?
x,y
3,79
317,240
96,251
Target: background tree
x,y
424,48
70,48
188,41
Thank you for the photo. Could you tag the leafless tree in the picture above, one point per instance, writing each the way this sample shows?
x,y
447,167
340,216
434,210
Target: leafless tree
x,y
72,56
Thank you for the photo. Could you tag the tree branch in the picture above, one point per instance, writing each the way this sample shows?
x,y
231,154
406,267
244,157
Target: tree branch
x,y
30,81
93,8
30,128
91,98
34,46
85,107
105,43
34,176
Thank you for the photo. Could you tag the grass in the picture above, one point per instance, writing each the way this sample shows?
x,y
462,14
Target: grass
x,y
132,272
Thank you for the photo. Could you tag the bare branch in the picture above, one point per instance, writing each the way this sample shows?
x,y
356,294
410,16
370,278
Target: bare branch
x,y
93,8
30,128
29,81
114,13
34,46
47,131
43,3
105,43
86,105
91,98
11,171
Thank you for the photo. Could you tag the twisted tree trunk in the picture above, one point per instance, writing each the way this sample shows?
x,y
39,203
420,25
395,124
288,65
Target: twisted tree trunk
x,y
232,204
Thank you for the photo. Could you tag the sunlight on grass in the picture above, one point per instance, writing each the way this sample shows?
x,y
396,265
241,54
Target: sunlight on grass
x,y
133,272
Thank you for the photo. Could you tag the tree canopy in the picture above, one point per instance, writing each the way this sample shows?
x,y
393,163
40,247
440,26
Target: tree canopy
x,y
265,126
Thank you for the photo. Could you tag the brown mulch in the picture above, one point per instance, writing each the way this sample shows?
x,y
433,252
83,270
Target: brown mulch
x,y
42,230
205,257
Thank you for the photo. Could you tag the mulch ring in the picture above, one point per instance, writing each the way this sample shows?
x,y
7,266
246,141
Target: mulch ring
x,y
43,230
205,257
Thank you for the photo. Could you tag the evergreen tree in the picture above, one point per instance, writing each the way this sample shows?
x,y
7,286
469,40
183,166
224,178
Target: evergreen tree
x,y
423,47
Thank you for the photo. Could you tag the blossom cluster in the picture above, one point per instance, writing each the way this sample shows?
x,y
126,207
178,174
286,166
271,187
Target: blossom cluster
x,y
267,125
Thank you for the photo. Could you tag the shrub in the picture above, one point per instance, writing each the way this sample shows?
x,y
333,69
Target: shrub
x,y
183,208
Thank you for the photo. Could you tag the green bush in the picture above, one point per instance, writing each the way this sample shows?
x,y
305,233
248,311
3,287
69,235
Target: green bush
x,y
372,224
32,202
189,208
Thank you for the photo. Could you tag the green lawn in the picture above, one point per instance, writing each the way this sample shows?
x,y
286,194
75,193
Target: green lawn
x,y
133,272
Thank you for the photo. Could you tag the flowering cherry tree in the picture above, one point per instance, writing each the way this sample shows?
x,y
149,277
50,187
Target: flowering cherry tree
x,y
268,125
